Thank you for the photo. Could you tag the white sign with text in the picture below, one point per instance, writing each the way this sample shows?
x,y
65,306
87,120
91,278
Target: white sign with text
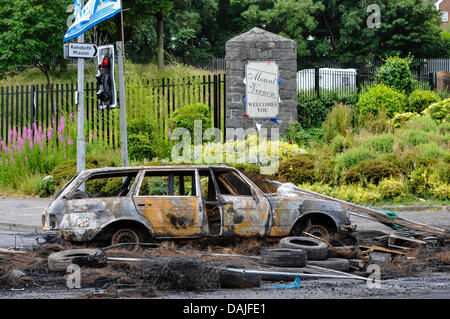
x,y
262,89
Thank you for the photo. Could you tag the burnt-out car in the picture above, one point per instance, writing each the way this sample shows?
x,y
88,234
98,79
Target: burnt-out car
x,y
139,204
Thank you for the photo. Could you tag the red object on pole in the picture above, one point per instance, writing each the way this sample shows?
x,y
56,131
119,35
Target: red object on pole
x,y
105,62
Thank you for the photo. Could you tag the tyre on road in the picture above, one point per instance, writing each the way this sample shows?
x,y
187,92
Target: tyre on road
x,y
315,249
339,264
83,257
231,279
283,257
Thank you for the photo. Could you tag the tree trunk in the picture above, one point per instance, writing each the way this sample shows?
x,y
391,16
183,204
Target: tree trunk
x,y
160,34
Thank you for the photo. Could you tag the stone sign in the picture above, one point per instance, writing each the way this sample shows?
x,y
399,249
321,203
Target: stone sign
x,y
262,89
261,81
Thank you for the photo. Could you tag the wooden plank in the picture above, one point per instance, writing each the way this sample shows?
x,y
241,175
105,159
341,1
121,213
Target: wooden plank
x,y
386,250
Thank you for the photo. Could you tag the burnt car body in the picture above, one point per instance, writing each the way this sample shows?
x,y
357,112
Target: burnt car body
x,y
137,204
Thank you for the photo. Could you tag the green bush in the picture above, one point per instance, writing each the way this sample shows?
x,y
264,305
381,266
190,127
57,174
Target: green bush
x,y
140,139
416,137
400,119
431,151
312,111
381,144
353,157
419,100
325,171
185,117
440,111
338,121
392,188
397,74
381,97
424,123
298,169
46,186
371,171
303,137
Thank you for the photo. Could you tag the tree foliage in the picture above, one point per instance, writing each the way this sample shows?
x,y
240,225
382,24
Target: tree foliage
x,y
32,34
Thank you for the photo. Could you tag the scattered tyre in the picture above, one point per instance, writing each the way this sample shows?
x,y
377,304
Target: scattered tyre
x,y
283,257
339,264
315,249
231,279
83,257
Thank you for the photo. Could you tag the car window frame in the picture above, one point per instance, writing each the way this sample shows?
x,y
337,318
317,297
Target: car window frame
x,y
169,171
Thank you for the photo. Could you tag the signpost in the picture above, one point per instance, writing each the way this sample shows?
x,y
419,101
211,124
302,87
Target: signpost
x,y
262,89
80,50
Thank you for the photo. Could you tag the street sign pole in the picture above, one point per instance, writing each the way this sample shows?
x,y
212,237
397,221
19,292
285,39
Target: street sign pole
x,y
81,144
122,104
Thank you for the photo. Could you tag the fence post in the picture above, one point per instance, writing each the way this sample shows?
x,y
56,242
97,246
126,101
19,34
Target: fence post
x,y
358,81
317,80
432,83
216,110
32,107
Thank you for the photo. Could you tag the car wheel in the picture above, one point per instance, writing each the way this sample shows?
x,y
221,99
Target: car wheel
x,y
283,257
127,236
315,249
318,231
60,260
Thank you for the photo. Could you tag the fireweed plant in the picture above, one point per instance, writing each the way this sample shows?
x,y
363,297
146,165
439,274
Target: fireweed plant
x,y
36,150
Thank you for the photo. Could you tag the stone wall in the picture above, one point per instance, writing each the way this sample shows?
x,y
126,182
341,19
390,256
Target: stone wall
x,y
260,45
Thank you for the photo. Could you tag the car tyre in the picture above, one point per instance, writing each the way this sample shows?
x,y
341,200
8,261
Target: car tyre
x,y
60,260
315,249
231,279
283,257
339,264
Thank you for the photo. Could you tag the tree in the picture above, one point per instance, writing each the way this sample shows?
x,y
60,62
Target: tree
x,y
140,9
32,34
291,18
407,26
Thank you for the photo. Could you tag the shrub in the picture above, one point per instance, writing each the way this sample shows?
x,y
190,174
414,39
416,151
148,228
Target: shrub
x,y
441,192
400,119
185,117
381,97
340,144
419,100
416,137
354,156
296,134
298,169
428,182
440,111
325,171
397,74
431,151
338,121
140,137
424,123
392,188
46,186
381,144
371,171
356,193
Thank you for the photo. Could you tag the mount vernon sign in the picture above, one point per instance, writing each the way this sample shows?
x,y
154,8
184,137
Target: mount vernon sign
x,y
262,89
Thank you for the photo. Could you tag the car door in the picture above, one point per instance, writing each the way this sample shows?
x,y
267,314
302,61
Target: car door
x,y
246,211
171,201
